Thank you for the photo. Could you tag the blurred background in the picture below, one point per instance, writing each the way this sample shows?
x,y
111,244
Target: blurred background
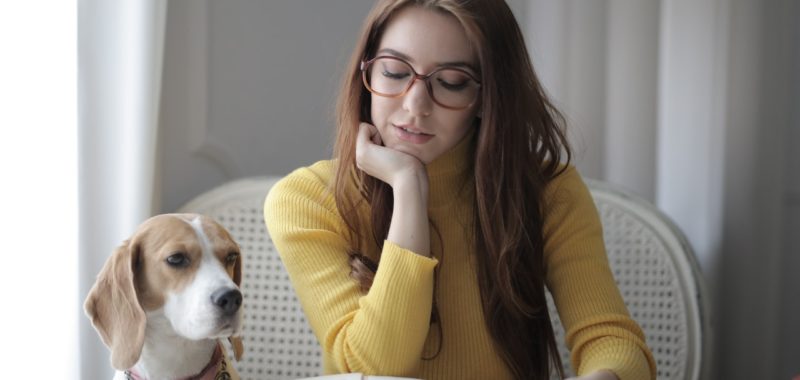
x,y
692,104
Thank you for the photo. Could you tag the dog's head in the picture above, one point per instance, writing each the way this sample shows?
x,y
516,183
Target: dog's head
x,y
187,267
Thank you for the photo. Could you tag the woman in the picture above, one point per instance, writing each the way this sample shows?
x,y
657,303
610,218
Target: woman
x,y
424,247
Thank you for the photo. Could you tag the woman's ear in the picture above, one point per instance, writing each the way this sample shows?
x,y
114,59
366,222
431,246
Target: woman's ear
x,y
113,306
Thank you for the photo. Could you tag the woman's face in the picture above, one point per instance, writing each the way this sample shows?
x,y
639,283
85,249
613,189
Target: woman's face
x,y
414,123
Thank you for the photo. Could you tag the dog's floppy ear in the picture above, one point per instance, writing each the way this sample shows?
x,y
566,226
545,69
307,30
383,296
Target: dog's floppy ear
x,y
236,341
238,347
114,308
237,268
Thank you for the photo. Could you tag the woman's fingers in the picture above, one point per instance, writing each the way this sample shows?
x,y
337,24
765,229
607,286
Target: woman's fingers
x,y
367,150
368,132
363,140
381,162
375,137
365,131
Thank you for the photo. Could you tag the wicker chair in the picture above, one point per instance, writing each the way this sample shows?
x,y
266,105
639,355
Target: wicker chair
x,y
653,265
660,281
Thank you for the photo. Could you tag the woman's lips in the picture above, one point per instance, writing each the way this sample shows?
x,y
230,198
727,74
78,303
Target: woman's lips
x,y
411,135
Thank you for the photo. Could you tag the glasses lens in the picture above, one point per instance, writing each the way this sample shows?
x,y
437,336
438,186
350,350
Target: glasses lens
x,y
454,88
388,76
451,87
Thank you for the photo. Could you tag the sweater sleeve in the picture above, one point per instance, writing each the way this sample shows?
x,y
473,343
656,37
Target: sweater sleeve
x,y
600,334
380,332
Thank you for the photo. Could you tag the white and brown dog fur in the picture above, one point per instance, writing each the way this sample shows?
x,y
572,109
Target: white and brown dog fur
x,y
165,297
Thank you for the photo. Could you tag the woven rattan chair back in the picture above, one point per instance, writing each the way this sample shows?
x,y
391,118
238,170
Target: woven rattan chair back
x,y
278,342
652,263
658,276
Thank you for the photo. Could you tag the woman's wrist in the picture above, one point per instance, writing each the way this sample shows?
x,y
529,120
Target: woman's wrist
x,y
409,225
410,187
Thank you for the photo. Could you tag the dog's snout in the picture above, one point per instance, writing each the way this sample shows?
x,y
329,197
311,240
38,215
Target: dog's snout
x,y
228,300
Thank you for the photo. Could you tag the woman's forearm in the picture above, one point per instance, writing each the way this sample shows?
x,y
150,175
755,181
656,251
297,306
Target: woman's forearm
x,y
409,225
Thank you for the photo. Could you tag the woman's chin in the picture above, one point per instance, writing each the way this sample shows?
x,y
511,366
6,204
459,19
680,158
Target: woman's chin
x,y
403,148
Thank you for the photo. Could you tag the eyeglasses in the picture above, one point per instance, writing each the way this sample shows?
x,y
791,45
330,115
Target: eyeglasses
x,y
392,77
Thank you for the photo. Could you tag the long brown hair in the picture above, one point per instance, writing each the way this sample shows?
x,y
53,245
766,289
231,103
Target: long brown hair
x,y
520,146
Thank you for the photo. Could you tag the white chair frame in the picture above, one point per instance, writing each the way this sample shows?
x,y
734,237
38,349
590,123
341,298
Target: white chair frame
x,y
652,261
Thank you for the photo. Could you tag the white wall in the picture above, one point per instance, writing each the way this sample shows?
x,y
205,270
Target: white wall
x,y
693,104
39,165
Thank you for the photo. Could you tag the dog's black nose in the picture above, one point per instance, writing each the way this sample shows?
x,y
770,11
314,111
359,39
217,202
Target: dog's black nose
x,y
229,300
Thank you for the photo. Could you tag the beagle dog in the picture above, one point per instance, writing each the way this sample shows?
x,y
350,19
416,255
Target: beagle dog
x,y
165,297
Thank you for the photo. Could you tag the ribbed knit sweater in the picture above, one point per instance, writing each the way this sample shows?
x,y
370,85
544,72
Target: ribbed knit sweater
x,y
387,331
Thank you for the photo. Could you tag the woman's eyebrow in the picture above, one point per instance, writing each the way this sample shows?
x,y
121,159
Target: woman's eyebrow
x,y
396,54
406,57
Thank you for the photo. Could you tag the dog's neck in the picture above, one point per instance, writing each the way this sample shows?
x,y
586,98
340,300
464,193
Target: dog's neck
x,y
167,355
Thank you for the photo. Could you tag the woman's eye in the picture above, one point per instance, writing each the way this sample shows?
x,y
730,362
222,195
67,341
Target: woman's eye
x,y
392,75
453,86
231,259
178,260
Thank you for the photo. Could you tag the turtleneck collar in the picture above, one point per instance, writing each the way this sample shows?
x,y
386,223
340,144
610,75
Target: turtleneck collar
x,y
449,173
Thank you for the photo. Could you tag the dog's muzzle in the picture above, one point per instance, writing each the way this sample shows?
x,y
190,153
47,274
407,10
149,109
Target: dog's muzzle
x,y
227,300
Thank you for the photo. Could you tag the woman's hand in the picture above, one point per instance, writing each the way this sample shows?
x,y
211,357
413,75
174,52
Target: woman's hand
x,y
388,165
409,181
596,375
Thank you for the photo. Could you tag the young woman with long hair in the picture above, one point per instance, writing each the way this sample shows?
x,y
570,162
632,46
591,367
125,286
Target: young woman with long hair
x,y
424,246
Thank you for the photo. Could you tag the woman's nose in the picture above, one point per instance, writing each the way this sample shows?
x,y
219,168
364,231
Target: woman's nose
x,y
417,101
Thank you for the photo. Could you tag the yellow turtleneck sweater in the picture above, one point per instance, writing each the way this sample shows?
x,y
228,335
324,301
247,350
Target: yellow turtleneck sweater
x,y
387,331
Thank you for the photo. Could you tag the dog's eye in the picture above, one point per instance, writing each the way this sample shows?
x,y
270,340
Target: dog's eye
x,y
231,259
178,260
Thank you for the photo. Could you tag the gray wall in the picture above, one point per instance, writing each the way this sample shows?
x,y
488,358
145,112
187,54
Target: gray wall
x,y
249,88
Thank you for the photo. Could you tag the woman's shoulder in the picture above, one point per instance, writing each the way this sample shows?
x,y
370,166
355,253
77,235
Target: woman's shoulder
x,y
303,200
313,181
320,173
568,209
566,186
566,175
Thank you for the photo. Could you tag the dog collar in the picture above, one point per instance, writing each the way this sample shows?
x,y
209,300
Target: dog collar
x,y
216,369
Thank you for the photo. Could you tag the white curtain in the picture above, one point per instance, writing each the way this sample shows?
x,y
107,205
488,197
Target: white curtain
x,y
120,59
689,103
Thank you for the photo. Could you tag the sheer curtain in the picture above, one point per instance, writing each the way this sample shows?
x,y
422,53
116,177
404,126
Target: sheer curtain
x,y
693,105
120,59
